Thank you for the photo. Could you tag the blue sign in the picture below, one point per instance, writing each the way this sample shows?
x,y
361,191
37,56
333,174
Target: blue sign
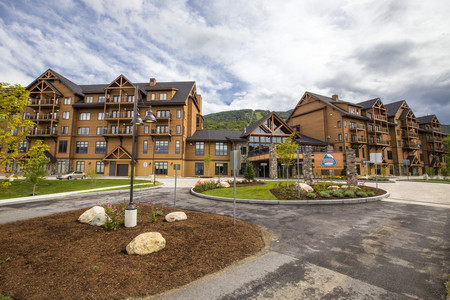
x,y
328,160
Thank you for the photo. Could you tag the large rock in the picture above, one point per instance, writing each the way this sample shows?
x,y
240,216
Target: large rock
x,y
99,219
333,187
176,216
146,243
224,184
305,188
90,214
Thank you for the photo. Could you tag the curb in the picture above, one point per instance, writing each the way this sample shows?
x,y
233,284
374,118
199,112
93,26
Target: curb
x,y
424,181
295,202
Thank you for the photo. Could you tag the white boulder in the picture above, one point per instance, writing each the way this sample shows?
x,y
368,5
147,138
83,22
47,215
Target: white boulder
x,y
333,187
146,243
90,214
99,219
224,184
175,216
425,176
305,188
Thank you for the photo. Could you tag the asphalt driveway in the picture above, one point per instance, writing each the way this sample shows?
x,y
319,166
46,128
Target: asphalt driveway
x,y
381,250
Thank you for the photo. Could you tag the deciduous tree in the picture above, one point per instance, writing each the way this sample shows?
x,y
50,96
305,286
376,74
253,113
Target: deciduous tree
x,y
286,151
35,163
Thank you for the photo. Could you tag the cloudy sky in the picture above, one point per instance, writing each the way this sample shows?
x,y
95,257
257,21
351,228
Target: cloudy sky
x,y
261,54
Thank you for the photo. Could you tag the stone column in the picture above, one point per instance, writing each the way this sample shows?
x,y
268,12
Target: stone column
x,y
352,174
330,150
307,167
273,162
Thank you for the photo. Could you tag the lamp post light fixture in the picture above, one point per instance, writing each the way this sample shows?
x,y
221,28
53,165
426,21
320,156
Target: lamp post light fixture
x,y
131,211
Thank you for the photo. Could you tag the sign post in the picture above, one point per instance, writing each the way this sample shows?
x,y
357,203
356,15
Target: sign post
x,y
176,167
264,169
235,165
407,163
376,159
298,169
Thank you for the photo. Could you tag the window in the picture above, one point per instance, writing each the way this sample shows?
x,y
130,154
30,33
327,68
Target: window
x,y
340,136
80,166
391,170
345,124
199,169
62,147
99,167
346,137
83,130
369,115
146,129
178,129
153,96
363,151
66,115
64,129
99,130
340,148
352,110
101,99
130,98
23,146
178,113
399,143
162,129
100,147
221,149
199,148
338,124
84,116
243,149
101,116
163,114
82,147
356,152
389,154
89,99
61,166
161,146
221,169
145,146
398,131
161,167
68,100
163,96
177,147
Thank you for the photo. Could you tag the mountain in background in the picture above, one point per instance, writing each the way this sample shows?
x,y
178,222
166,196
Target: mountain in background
x,y
238,119
445,129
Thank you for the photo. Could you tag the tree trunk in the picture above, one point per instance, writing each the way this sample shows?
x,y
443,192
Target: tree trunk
x,y
34,189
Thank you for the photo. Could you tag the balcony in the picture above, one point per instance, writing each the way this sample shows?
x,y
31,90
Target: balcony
x,y
411,145
380,117
161,132
117,116
410,124
120,100
43,102
42,118
378,129
121,131
379,142
43,132
358,140
163,117
410,135
354,127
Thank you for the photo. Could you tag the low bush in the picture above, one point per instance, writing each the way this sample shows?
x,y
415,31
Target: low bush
x,y
349,193
324,194
370,194
311,195
204,185
361,194
338,193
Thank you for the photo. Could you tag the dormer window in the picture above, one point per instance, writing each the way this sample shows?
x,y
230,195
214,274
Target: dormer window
x,y
89,99
163,96
352,110
153,96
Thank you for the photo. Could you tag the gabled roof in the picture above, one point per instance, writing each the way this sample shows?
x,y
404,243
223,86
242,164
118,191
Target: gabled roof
x,y
392,108
367,104
216,135
249,129
76,89
183,89
306,140
426,119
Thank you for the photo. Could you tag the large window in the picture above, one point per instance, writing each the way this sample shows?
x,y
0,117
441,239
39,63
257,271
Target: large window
x,y
162,129
221,149
61,167
62,147
100,167
162,146
101,99
84,116
199,169
389,155
178,129
82,147
146,129
67,100
145,146
163,96
161,167
83,130
79,166
66,115
100,147
163,114
221,169
89,99
64,129
177,147
101,116
178,113
199,148
23,146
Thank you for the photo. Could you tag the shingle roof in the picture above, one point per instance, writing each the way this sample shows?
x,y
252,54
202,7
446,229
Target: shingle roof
x,y
306,140
426,119
71,85
183,89
392,108
332,103
216,135
367,104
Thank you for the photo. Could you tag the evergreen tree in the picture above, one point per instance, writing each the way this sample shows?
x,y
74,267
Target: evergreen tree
x,y
249,172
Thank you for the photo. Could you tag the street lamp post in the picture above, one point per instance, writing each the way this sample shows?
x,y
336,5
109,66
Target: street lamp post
x,y
131,211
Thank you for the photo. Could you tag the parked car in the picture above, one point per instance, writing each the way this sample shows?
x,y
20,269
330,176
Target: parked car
x,y
72,175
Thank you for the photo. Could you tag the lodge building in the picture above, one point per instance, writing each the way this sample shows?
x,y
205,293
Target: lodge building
x,y
88,128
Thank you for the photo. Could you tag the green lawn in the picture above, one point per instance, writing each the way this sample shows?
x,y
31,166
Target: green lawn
x,y
257,192
21,188
429,180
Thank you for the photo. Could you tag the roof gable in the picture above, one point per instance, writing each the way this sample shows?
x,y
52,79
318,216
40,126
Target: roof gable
x,y
270,124
51,75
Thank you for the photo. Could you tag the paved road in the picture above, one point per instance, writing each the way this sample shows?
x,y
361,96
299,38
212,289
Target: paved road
x,y
381,250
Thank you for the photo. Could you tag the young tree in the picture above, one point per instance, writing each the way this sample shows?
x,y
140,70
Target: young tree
x,y
286,152
249,172
13,129
207,162
35,164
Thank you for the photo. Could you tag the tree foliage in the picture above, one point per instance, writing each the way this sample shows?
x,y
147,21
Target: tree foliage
x,y
207,160
13,129
249,172
35,164
286,151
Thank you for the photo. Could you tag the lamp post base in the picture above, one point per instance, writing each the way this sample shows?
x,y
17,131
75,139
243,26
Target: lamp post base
x,y
130,216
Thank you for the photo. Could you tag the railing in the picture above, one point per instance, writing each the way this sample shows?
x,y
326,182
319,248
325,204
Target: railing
x,y
41,117
119,100
378,129
410,124
117,131
258,152
410,135
43,102
380,117
379,142
43,132
411,145
360,139
164,116
118,116
162,131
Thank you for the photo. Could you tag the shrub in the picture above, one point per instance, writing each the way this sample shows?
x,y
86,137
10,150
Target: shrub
x,y
324,194
361,194
338,193
311,195
204,185
370,194
249,172
349,193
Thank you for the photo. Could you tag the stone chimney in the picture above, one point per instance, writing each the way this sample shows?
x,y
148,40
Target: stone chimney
x,y
152,81
335,97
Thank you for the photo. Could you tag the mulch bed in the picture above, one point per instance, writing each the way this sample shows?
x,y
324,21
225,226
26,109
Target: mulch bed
x,y
56,257
318,197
